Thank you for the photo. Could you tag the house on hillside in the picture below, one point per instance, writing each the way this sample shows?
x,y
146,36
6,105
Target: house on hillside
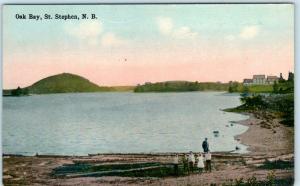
x,y
272,79
259,79
247,82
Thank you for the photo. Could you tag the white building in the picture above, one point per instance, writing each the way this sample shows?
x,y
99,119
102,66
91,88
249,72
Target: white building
x,y
272,79
259,79
247,82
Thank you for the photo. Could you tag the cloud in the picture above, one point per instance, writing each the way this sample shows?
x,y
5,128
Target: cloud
x,y
90,32
249,32
166,27
85,30
184,32
111,40
230,37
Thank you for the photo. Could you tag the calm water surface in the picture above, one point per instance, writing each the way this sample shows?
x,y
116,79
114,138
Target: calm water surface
x,y
80,124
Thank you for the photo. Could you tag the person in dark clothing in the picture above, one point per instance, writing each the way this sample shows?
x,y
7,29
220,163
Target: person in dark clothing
x,y
205,145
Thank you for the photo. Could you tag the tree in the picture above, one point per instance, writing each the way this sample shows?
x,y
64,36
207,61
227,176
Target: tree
x,y
281,79
16,92
245,89
275,87
291,76
25,91
233,87
254,102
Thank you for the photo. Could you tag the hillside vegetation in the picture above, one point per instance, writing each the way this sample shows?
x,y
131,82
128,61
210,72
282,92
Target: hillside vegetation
x,y
281,86
239,87
121,88
63,83
279,101
71,83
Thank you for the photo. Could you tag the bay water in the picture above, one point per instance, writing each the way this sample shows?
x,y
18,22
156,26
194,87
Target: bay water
x,y
89,123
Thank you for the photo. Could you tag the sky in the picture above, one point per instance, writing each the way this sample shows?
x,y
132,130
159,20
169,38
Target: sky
x,y
134,44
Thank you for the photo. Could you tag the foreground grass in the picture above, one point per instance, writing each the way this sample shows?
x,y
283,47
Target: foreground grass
x,y
152,169
277,165
160,170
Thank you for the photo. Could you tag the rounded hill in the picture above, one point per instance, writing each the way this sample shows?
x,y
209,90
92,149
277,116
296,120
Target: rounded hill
x,y
64,83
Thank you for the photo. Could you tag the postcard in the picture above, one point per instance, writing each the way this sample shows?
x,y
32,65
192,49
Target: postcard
x,y
148,94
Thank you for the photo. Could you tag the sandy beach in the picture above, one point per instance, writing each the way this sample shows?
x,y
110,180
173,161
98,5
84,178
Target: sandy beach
x,y
268,141
267,137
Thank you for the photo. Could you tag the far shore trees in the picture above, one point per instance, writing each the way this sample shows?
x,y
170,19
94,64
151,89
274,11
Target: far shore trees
x,y
19,92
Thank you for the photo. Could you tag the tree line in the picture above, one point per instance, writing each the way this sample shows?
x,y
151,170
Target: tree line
x,y
181,86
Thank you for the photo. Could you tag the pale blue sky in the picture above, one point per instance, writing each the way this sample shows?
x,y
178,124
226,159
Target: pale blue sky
x,y
202,36
138,22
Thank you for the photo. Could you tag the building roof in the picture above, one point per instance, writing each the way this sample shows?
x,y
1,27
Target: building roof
x,y
258,76
272,77
248,81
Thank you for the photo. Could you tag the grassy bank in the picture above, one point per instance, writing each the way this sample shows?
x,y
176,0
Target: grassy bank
x,y
240,88
281,87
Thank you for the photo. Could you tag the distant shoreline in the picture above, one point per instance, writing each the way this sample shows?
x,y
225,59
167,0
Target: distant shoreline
x,y
127,91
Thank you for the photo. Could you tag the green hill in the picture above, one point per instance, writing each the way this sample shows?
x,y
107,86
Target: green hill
x,y
64,83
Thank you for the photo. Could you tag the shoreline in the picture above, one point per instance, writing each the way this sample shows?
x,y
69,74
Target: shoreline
x,y
266,136
265,146
252,123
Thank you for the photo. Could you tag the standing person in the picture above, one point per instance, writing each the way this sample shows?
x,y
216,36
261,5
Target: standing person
x,y
200,163
208,161
175,163
205,146
191,161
